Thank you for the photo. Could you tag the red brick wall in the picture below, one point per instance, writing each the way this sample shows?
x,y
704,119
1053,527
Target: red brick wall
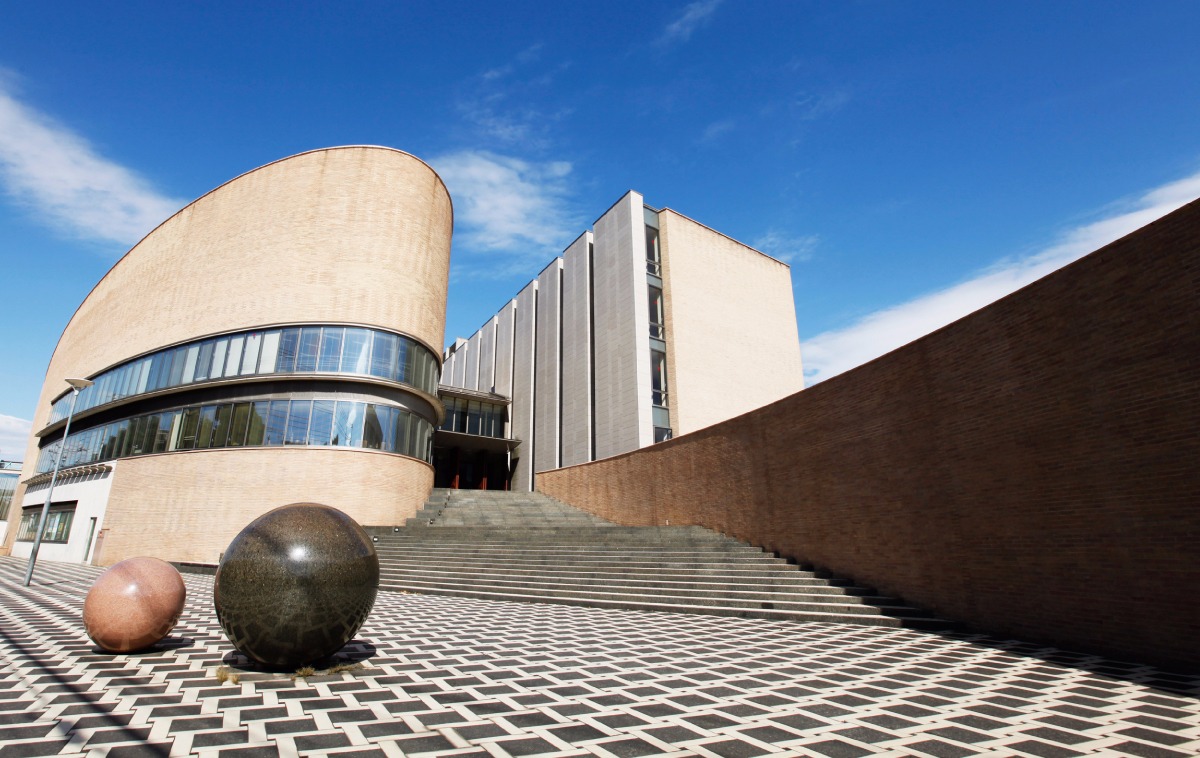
x,y
1032,469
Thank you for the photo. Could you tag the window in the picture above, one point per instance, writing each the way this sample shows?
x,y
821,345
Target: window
x,y
297,423
657,321
356,358
322,422
331,349
658,377
8,485
58,523
306,356
653,255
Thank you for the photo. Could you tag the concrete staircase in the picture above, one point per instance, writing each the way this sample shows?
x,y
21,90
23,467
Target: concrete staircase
x,y
529,547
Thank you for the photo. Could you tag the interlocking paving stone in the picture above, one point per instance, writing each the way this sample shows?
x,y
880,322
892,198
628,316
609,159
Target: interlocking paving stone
x,y
448,676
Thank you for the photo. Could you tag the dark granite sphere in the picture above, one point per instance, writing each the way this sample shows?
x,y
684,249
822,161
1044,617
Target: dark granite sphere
x,y
296,585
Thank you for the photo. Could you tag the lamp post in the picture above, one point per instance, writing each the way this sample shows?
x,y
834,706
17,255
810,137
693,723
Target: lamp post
x,y
76,385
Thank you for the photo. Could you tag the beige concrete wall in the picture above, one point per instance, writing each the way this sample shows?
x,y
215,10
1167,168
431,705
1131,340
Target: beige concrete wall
x,y
188,506
732,344
342,235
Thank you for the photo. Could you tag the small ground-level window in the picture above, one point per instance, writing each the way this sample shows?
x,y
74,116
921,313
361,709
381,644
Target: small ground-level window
x,y
58,523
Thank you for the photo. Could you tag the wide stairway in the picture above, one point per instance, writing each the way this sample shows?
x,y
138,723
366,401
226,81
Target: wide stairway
x,y
532,548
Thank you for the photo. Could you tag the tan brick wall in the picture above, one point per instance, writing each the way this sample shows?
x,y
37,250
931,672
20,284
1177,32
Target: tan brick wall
x,y
1031,469
188,506
350,234
731,341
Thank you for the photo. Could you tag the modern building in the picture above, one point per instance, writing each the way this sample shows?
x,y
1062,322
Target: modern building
x,y
10,475
649,325
278,341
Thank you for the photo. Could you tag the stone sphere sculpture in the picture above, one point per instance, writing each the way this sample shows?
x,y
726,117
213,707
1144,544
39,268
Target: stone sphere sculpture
x,y
134,604
296,585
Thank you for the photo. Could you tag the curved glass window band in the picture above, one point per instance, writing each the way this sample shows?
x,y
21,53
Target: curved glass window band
x,y
252,423
341,350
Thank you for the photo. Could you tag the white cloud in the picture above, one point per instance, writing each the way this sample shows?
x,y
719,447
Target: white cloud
x,y
789,248
508,206
695,14
833,352
14,435
55,172
716,130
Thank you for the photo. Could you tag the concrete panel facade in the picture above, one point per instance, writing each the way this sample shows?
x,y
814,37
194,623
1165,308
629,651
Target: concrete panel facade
x,y
471,379
732,344
621,330
548,397
577,352
487,356
505,322
523,390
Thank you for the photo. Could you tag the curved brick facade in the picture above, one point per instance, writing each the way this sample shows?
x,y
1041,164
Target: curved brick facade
x,y
349,235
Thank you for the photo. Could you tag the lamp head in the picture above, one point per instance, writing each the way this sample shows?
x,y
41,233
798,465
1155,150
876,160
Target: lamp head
x,y
78,384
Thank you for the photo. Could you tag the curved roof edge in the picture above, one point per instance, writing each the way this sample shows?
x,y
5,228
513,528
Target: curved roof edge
x,y
147,235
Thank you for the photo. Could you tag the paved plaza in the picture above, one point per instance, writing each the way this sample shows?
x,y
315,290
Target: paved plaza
x,y
447,676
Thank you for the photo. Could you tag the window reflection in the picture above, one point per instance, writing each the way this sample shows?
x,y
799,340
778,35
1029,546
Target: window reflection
x,y
330,349
250,424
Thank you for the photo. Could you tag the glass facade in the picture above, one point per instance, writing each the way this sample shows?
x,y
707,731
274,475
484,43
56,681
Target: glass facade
x,y
58,523
8,485
256,423
473,417
299,349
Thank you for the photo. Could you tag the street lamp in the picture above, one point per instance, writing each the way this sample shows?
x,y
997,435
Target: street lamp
x,y
76,385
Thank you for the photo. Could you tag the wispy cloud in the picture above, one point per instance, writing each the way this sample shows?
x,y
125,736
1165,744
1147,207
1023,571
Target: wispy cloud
x,y
716,130
14,435
789,248
59,176
505,106
693,16
508,207
833,352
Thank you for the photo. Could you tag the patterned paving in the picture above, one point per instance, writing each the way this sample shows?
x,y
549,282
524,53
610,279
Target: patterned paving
x,y
448,676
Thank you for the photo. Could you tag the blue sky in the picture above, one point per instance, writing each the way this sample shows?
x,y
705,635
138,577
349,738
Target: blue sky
x,y
912,161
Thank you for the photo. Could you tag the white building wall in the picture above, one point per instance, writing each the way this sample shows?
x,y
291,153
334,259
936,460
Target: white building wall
x,y
91,499
460,365
487,356
505,321
471,376
728,307
524,333
622,322
576,423
548,364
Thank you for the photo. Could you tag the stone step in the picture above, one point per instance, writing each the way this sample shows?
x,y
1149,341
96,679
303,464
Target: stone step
x,y
782,593
528,547
666,535
620,573
759,613
822,604
762,565
702,583
392,546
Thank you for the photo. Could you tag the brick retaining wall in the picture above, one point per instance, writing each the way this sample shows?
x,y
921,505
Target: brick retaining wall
x,y
1032,469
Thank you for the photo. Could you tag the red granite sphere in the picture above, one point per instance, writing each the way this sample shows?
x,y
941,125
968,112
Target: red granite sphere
x,y
134,604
